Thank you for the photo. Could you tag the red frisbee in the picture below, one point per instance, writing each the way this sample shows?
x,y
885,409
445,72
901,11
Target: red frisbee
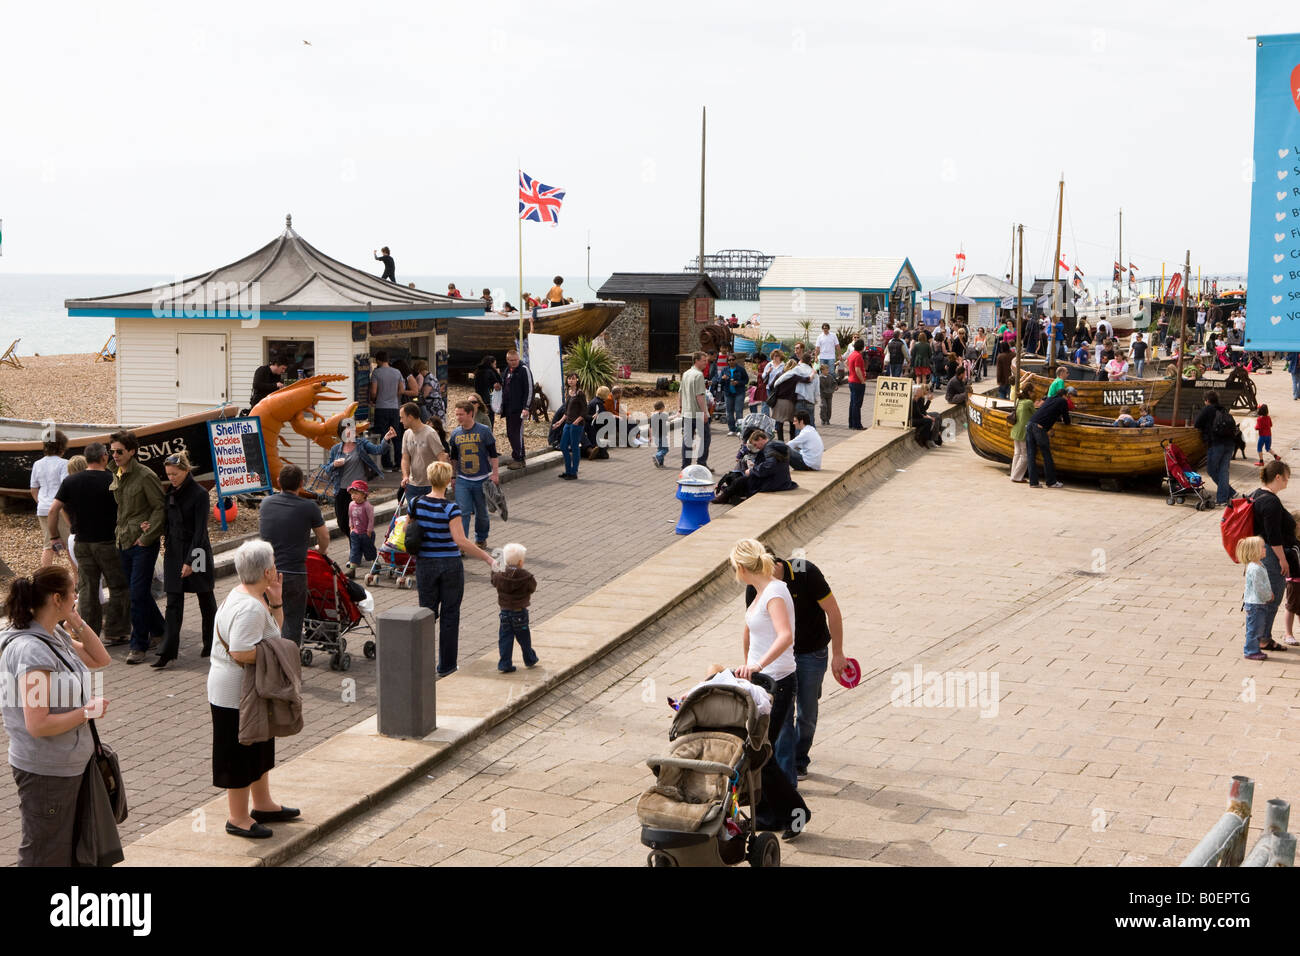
x,y
851,674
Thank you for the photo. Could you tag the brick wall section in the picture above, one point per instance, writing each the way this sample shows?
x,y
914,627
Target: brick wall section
x,y
688,328
628,336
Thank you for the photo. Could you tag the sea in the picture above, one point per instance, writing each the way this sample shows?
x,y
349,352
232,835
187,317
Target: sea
x,y
31,305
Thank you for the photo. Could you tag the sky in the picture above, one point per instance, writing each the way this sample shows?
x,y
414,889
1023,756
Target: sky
x,y
169,138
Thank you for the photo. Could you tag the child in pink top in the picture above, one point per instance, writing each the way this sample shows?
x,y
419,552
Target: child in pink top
x,y
361,525
1264,429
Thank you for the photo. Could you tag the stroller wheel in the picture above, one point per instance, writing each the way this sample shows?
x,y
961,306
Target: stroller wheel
x,y
334,662
764,850
343,645
305,656
370,579
345,662
659,858
369,649
1170,500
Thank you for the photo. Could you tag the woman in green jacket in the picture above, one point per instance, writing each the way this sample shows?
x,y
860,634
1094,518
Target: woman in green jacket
x,y
1024,411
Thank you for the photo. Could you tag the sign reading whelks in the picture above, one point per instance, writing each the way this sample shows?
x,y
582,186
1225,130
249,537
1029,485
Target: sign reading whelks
x,y
1273,280
238,458
893,400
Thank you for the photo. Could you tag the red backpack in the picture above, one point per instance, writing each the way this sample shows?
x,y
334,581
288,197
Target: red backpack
x,y
1238,522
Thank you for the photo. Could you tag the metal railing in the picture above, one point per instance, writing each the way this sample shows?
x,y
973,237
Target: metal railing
x,y
1225,843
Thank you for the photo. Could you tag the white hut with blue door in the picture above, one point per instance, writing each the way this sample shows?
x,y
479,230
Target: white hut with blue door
x,y
839,292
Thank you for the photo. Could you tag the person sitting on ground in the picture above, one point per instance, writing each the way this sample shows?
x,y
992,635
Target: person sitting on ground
x,y
958,387
928,424
770,472
806,446
1125,418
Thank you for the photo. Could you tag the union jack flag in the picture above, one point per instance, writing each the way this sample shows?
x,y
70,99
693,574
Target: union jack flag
x,y
538,202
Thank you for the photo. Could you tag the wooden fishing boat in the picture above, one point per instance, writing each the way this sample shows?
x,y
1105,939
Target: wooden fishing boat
x,y
1105,399
1236,390
21,445
470,337
1089,447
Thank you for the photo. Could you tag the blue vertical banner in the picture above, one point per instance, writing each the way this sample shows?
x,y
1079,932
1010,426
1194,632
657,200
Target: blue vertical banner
x,y
1273,280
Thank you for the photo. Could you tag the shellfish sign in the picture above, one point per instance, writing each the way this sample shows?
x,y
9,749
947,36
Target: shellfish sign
x,y
1273,280
893,400
238,456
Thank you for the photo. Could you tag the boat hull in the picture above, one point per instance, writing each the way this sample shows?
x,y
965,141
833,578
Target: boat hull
x,y
469,338
1105,398
1236,390
1079,450
157,441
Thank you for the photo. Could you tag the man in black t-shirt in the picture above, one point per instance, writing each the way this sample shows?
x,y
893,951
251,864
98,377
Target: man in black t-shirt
x,y
817,623
92,515
286,521
390,268
1218,428
267,378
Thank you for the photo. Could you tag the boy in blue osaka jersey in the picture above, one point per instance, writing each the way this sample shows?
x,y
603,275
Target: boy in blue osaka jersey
x,y
475,451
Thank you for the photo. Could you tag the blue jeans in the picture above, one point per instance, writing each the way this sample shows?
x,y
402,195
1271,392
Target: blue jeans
x,y
514,627
735,409
895,369
413,491
697,428
571,447
781,716
796,737
440,583
1139,367
470,500
1220,455
1277,584
146,619
661,452
360,546
1036,441
1257,619
857,392
1295,384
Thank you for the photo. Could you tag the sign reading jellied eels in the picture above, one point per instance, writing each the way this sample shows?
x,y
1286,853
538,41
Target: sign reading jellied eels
x,y
893,400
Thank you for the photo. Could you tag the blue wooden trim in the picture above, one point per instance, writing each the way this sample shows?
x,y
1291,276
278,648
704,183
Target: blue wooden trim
x,y
808,288
275,315
907,264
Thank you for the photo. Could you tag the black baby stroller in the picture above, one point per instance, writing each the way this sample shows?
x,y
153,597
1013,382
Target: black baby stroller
x,y
336,606
703,808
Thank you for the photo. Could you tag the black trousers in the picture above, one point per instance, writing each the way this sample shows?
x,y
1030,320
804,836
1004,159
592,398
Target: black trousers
x,y
175,615
342,500
515,433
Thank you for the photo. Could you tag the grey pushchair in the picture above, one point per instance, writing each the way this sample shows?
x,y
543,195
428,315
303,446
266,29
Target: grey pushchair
x,y
695,814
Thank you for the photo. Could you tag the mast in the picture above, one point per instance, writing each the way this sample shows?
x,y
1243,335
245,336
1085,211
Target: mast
x,y
704,122
1123,270
1020,313
1182,340
1056,276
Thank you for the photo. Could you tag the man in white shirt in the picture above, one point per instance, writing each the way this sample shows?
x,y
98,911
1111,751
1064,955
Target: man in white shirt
x,y
1200,325
828,347
806,446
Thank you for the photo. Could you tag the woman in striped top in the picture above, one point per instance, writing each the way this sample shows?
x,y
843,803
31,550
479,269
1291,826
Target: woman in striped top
x,y
439,573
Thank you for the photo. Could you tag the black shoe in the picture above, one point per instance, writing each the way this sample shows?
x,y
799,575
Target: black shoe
x,y
162,662
255,832
507,670
533,663
276,816
445,673
790,834
206,652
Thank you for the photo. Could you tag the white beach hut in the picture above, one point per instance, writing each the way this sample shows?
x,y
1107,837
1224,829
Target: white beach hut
x,y
836,291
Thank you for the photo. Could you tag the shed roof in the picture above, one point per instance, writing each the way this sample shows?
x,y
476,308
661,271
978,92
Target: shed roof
x,y
861,275
683,285
983,287
291,275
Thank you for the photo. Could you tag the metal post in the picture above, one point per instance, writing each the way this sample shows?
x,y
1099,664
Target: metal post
x,y
1266,849
1225,844
406,663
704,123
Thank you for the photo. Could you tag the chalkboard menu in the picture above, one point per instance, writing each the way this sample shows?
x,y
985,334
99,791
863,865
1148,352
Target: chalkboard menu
x,y
361,378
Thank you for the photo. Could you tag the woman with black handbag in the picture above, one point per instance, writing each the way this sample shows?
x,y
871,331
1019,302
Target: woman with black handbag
x,y
48,712
188,567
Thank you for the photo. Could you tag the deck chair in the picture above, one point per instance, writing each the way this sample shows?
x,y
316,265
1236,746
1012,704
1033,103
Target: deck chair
x,y
11,355
109,352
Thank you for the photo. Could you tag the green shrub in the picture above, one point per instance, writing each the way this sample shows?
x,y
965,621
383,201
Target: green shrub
x,y
592,363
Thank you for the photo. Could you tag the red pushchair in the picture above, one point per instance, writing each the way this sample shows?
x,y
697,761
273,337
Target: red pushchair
x,y
874,359
336,607
1183,482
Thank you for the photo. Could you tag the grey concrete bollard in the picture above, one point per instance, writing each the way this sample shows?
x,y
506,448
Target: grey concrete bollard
x,y
406,662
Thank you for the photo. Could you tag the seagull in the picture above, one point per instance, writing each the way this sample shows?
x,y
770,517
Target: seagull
x,y
306,43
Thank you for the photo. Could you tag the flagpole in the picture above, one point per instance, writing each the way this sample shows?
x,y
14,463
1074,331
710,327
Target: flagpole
x,y
519,222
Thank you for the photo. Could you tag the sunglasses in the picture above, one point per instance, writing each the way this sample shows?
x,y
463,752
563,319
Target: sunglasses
x,y
118,451
173,460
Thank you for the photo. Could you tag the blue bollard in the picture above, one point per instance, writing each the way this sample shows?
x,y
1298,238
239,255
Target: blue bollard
x,y
695,487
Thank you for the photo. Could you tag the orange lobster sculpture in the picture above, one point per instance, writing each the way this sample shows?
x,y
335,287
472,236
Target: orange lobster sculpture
x,y
295,405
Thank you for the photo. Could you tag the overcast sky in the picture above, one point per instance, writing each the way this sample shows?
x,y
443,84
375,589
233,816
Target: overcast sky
x,y
173,137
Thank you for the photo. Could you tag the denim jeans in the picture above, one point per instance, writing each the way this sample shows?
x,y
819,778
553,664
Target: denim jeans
x,y
471,501
796,737
440,583
1257,616
571,447
1036,440
146,619
698,431
895,369
514,627
857,392
735,409
783,714
1295,384
1219,457
661,453
412,491
1278,585
360,547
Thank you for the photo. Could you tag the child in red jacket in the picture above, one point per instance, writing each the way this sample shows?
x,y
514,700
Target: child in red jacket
x,y
1263,428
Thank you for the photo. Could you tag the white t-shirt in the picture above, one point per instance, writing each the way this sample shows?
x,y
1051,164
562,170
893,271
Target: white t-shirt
x,y
242,621
762,633
47,475
810,446
826,344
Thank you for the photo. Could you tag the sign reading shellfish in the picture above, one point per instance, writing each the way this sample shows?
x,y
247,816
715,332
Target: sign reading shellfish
x,y
893,400
238,456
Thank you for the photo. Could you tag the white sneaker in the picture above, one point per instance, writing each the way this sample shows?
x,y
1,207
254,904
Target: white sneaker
x,y
1057,485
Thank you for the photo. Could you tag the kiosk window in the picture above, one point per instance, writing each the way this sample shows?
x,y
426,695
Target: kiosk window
x,y
298,354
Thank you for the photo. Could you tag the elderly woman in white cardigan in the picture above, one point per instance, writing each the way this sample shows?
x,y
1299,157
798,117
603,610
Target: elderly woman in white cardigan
x,y
252,611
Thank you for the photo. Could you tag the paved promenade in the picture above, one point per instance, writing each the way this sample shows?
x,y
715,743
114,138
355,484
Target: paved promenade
x,y
580,535
1104,629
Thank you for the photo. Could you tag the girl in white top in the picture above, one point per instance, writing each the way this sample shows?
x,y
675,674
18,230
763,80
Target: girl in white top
x,y
47,475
